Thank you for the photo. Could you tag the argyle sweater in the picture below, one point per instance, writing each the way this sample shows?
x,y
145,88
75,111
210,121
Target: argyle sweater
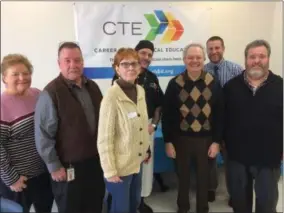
x,y
193,108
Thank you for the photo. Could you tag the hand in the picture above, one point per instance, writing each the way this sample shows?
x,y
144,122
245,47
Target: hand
x,y
151,129
114,179
170,150
19,185
59,175
214,149
148,157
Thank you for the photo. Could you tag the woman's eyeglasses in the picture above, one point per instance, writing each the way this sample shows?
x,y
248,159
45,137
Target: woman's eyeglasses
x,y
128,64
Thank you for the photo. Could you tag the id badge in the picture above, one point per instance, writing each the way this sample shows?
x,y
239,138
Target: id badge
x,y
132,115
70,174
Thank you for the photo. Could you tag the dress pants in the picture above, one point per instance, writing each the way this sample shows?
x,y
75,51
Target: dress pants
x,y
241,178
38,193
186,149
85,193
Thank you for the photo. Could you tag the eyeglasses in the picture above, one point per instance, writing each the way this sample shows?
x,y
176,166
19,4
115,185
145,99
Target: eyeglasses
x,y
127,64
23,74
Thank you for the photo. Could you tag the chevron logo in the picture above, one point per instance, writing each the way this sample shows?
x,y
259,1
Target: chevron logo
x,y
163,23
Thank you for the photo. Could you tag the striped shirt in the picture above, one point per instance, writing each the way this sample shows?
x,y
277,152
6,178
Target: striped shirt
x,y
226,70
18,154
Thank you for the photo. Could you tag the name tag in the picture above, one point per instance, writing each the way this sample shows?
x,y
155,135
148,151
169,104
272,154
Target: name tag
x,y
132,115
70,174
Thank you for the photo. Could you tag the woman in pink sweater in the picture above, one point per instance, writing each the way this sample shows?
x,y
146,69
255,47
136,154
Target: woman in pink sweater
x,y
23,175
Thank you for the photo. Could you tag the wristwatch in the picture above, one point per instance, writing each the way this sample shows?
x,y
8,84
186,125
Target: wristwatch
x,y
155,126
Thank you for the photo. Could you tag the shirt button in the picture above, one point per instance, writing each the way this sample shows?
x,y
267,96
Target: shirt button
x,y
141,129
141,142
138,115
140,154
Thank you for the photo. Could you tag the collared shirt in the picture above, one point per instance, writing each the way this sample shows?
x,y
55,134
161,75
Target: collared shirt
x,y
84,98
187,77
254,88
225,72
45,106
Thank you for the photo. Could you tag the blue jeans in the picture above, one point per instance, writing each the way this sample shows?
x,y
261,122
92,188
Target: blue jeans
x,y
126,196
9,206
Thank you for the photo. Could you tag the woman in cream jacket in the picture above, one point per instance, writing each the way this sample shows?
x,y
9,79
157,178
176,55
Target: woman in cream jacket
x,y
123,139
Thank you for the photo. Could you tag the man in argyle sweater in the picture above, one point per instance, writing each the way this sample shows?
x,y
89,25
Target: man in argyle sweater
x,y
192,124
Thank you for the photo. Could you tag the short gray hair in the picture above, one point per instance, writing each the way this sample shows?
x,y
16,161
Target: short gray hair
x,y
194,45
258,43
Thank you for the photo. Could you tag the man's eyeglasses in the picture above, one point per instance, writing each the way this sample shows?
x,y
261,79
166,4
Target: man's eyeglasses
x,y
127,64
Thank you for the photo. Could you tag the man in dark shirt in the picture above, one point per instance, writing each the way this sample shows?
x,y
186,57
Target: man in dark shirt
x,y
254,132
154,98
192,125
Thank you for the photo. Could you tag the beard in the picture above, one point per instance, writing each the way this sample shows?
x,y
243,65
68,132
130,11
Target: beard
x,y
256,73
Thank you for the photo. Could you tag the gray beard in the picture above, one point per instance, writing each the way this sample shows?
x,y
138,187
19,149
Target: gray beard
x,y
256,74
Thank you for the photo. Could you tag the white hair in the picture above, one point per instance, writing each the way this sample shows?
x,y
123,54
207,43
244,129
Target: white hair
x,y
194,45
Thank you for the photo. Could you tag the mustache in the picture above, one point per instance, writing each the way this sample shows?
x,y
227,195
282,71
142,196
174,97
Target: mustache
x,y
257,65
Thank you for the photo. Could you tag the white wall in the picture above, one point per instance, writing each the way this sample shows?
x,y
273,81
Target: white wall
x,y
36,28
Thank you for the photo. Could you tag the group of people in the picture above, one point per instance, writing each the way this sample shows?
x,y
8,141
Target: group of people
x,y
71,144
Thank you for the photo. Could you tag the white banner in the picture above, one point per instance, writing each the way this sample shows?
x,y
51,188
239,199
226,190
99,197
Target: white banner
x,y
103,28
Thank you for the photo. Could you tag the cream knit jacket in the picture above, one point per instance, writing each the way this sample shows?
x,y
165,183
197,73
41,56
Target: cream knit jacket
x,y
123,138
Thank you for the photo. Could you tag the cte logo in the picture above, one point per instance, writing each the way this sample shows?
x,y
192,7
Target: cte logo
x,y
164,23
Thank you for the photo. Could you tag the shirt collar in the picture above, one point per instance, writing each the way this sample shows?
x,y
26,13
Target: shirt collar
x,y
72,84
186,77
218,64
266,80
